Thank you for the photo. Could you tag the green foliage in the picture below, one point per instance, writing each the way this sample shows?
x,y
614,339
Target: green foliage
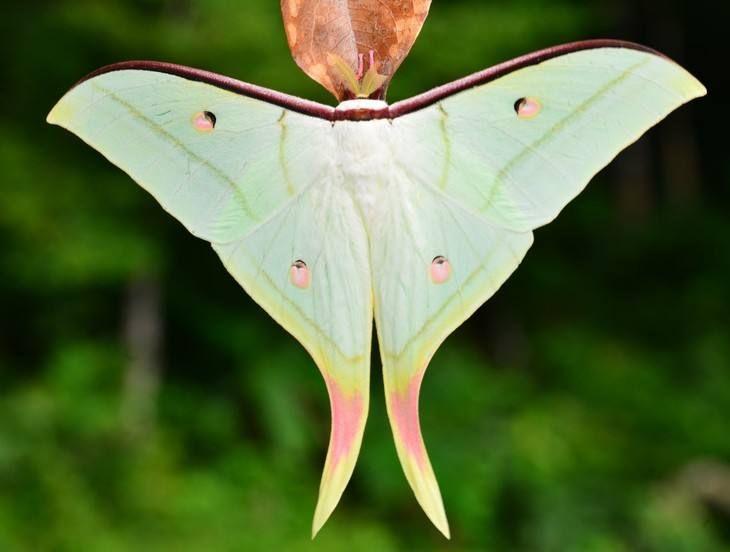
x,y
584,408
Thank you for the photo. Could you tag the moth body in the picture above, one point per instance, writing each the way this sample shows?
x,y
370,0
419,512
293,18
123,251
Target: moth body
x,y
363,149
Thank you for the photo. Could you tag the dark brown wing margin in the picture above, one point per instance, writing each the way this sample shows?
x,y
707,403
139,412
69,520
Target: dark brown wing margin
x,y
286,101
398,109
482,77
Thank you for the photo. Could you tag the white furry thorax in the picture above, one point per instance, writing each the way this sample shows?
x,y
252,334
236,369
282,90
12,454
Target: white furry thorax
x,y
364,154
348,105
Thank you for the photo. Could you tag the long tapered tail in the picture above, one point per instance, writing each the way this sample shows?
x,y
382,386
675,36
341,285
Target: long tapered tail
x,y
349,406
402,388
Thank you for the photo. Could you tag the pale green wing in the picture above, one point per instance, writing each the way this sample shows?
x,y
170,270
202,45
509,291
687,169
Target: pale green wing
x,y
257,181
414,312
473,179
520,171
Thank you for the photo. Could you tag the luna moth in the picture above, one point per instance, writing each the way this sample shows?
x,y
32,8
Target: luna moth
x,y
410,214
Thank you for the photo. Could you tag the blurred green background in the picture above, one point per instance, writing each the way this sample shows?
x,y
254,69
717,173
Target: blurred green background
x,y
146,403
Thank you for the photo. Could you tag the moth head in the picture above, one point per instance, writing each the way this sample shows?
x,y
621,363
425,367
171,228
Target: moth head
x,y
361,84
352,48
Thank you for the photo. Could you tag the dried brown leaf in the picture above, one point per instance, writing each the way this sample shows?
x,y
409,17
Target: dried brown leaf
x,y
352,47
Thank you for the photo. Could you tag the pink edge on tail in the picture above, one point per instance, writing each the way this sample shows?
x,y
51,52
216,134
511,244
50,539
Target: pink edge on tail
x,y
349,409
404,406
346,422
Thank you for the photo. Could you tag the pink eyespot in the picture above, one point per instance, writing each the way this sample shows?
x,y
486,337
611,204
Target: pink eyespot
x,y
440,270
299,274
527,108
204,121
